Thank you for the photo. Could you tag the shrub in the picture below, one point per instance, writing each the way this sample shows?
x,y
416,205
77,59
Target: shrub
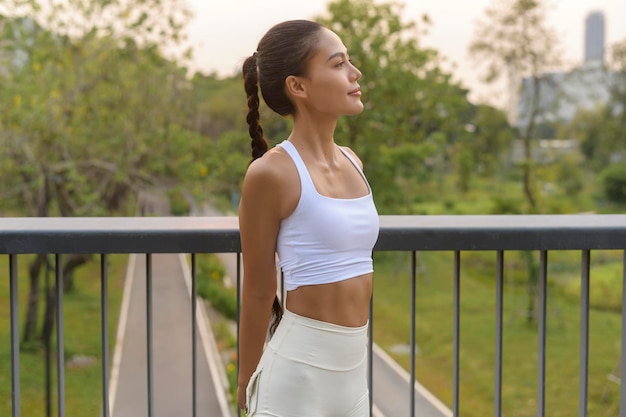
x,y
605,288
614,181
210,277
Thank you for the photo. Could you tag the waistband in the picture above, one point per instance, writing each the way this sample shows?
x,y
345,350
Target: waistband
x,y
318,343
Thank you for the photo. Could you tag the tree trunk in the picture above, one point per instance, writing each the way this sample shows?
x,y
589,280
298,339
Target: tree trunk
x,y
41,202
528,150
73,262
32,306
49,316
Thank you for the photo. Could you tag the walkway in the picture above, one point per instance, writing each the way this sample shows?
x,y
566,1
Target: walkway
x,y
171,332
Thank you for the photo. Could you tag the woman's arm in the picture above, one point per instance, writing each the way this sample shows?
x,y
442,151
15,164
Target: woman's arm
x,y
259,221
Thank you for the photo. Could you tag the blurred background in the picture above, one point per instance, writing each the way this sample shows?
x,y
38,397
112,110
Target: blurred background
x,y
136,107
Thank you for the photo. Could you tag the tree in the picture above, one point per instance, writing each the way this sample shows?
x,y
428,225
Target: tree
x,y
600,130
91,111
414,111
515,41
618,96
492,136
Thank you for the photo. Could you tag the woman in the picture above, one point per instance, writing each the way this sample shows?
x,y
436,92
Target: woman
x,y
307,200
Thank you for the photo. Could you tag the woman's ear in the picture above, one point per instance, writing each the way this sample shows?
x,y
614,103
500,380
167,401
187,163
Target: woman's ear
x,y
295,87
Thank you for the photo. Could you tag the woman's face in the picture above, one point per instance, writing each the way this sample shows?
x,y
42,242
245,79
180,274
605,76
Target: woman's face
x,y
331,80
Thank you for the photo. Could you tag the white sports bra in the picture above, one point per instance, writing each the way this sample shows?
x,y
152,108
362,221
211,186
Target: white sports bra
x,y
326,239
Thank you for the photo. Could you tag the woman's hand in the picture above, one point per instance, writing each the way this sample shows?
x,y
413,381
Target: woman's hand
x,y
241,397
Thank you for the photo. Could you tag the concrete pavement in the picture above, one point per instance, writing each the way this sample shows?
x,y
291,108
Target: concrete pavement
x,y
171,332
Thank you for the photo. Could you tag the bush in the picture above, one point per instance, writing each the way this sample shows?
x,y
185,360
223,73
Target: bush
x,y
614,181
605,288
210,277
179,206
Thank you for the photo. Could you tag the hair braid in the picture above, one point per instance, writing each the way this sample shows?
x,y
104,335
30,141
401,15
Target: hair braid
x,y
258,143
250,75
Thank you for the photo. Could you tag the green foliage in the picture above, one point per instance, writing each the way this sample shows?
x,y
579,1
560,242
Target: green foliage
x,y
92,112
179,205
604,294
614,180
595,130
414,111
516,41
492,137
570,176
210,275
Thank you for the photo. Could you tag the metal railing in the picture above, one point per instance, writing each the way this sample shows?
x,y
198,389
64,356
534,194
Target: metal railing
x,y
197,235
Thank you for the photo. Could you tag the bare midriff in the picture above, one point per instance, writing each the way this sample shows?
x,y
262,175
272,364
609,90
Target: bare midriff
x,y
345,303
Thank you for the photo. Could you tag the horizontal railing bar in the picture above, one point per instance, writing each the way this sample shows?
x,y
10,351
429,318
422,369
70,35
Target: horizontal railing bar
x,y
397,233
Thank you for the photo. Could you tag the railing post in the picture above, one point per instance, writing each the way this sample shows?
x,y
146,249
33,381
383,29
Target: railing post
x,y
104,311
584,334
15,337
457,334
541,348
413,324
149,358
194,338
60,336
622,388
497,396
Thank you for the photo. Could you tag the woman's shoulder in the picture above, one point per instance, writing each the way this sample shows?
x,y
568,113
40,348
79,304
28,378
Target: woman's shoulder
x,y
271,166
353,154
271,171
273,180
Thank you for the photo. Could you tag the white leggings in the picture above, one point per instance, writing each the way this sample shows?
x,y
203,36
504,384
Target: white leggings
x,y
311,368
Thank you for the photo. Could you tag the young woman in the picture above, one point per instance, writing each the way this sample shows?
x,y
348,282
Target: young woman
x,y
307,200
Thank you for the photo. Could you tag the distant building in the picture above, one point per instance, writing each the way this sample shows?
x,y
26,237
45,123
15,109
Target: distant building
x,y
594,37
562,94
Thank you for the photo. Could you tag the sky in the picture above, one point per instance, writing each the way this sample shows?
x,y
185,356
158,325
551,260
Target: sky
x,y
224,33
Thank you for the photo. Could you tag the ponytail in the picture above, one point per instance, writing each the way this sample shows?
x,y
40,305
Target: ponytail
x,y
258,144
250,81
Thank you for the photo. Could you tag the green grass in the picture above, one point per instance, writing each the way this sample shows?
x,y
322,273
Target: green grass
x,y
434,329
81,316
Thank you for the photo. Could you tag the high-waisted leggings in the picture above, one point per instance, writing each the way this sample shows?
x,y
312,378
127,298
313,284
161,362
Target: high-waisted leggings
x,y
311,368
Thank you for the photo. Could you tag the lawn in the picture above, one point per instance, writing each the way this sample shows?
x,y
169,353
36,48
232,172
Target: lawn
x,y
81,316
434,329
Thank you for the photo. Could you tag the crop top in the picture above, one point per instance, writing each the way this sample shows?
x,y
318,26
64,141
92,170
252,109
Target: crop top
x,y
326,239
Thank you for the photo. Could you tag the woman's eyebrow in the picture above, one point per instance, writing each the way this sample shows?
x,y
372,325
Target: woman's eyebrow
x,y
337,54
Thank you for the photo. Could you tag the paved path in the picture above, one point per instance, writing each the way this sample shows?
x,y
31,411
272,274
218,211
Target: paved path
x,y
171,331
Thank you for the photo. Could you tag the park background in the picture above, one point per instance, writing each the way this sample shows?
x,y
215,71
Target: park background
x,y
105,105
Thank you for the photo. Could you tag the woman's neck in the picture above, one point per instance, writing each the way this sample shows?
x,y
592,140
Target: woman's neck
x,y
316,139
